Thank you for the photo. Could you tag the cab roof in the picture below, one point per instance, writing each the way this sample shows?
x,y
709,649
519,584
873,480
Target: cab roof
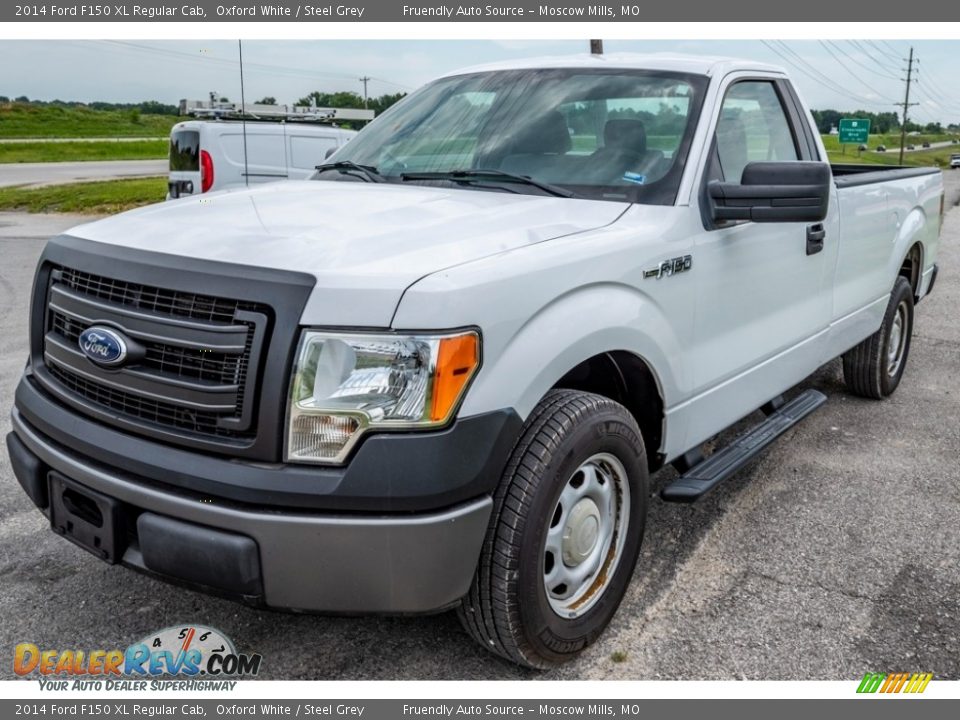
x,y
692,64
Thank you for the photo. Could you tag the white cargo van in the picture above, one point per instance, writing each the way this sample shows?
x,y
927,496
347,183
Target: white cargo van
x,y
208,155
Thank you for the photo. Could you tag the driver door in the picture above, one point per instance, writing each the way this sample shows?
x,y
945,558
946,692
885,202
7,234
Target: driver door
x,y
763,303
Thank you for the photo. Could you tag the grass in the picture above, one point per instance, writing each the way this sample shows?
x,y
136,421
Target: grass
x,y
33,152
90,198
891,140
618,656
25,120
938,157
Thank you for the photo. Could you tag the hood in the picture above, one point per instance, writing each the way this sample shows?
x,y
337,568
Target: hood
x,y
364,242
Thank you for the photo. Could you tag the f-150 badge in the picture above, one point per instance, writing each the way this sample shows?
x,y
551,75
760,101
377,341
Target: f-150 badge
x,y
670,267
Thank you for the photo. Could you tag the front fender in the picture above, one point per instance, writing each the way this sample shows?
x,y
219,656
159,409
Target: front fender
x,y
522,365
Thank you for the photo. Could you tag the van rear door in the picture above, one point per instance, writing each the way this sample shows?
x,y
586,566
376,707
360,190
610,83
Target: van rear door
x,y
185,177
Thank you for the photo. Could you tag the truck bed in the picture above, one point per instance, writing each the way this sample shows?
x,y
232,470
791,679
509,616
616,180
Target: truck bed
x,y
851,175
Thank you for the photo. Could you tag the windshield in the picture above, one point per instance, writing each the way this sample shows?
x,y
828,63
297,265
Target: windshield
x,y
609,134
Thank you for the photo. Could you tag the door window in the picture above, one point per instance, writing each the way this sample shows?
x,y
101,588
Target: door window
x,y
752,127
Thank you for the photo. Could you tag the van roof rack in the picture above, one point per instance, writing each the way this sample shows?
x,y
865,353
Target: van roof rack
x,y
222,110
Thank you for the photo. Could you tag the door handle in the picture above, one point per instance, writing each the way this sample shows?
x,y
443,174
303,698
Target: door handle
x,y
815,235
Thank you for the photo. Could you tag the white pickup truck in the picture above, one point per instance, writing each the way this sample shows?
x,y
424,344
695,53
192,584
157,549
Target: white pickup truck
x,y
440,373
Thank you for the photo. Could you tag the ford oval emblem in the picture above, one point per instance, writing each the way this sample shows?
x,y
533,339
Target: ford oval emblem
x,y
103,345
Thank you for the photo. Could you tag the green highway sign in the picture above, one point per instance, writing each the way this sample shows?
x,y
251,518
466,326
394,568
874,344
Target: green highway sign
x,y
854,131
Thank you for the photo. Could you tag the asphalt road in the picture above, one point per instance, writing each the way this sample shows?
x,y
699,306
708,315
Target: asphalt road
x,y
918,147
67,172
836,553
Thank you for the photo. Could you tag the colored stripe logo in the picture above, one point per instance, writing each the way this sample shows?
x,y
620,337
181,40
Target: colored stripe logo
x,y
894,683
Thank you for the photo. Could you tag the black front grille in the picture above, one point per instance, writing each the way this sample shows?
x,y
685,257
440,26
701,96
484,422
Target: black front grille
x,y
143,409
196,354
157,300
211,366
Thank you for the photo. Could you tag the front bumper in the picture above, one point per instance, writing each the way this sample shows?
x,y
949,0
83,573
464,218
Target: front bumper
x,y
338,563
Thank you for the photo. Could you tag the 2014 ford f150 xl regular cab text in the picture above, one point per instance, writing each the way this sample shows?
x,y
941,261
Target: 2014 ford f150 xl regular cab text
x,y
440,373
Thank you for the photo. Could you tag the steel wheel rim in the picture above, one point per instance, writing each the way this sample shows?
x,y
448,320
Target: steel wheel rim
x,y
586,534
897,341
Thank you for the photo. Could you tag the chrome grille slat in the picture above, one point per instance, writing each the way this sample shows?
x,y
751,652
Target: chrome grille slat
x,y
168,389
229,338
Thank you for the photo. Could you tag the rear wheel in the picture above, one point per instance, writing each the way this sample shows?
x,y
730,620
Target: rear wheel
x,y
873,368
565,532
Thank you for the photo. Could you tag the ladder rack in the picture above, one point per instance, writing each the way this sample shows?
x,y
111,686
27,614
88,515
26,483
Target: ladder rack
x,y
217,110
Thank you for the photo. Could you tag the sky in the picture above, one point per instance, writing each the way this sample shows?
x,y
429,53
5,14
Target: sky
x,y
838,74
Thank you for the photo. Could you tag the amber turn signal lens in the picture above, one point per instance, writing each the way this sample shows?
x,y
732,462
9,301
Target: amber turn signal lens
x,y
457,360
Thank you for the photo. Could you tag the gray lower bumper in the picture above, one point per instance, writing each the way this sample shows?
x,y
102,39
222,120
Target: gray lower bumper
x,y
322,563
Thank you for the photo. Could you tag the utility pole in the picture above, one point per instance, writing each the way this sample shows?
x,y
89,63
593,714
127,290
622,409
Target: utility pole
x,y
365,80
906,104
596,47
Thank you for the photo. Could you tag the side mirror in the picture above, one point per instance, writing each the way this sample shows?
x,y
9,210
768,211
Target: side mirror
x,y
774,192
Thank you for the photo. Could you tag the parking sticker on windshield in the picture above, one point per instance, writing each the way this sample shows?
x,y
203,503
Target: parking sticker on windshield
x,y
635,178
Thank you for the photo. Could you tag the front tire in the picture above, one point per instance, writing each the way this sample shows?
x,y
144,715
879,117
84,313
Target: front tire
x,y
873,368
565,532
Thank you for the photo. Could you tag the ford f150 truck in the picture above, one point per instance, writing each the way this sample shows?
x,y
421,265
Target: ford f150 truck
x,y
440,373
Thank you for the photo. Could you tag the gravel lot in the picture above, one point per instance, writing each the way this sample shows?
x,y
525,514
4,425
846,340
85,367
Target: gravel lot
x,y
836,553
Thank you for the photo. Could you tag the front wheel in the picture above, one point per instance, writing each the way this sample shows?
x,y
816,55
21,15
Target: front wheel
x,y
566,528
873,368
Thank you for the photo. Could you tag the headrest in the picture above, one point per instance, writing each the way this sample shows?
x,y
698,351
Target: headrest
x,y
547,134
625,134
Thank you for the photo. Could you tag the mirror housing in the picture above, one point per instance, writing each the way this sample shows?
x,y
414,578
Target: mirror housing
x,y
774,192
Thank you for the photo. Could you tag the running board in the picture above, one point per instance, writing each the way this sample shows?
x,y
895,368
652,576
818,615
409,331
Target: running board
x,y
705,475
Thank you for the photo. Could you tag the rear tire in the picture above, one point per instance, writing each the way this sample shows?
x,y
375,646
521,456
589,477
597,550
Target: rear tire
x,y
565,532
873,368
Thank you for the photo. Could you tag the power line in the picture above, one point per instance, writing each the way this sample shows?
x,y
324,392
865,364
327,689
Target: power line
x,y
839,49
827,80
935,86
896,55
943,106
852,74
224,62
821,78
877,56
801,69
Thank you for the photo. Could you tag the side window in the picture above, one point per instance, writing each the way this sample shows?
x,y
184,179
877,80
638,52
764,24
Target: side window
x,y
752,127
308,151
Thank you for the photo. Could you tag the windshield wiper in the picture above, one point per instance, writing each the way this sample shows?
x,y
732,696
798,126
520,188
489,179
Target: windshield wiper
x,y
348,166
468,176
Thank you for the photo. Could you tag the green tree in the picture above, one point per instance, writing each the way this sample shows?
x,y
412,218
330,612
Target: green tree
x,y
343,99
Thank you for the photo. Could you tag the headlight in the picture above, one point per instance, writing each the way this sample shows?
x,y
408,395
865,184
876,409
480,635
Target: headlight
x,y
345,384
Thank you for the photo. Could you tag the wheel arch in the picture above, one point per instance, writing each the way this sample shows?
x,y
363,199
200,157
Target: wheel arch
x,y
628,379
911,268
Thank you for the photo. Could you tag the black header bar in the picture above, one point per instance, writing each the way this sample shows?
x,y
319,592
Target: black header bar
x,y
574,11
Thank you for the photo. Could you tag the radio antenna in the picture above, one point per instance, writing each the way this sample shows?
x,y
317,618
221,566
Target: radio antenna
x,y
243,119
